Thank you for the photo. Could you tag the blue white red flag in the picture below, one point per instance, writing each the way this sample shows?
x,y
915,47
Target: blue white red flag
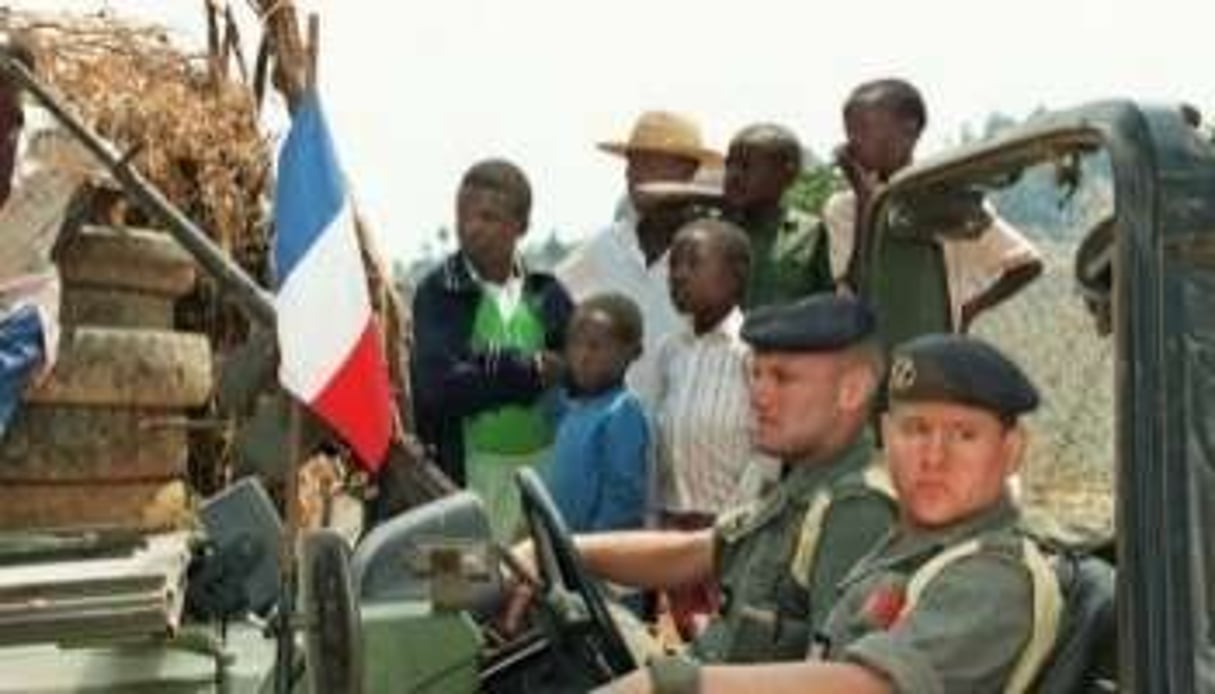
x,y
330,353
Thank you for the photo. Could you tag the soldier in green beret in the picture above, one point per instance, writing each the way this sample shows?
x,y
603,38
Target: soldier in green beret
x,y
777,560
955,600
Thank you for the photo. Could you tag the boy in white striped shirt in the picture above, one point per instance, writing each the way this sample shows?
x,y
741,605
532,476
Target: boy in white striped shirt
x,y
702,408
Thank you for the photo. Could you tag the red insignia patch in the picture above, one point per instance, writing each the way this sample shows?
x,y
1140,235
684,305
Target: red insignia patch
x,y
884,605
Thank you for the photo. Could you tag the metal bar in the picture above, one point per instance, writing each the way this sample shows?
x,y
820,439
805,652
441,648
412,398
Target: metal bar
x,y
251,298
286,612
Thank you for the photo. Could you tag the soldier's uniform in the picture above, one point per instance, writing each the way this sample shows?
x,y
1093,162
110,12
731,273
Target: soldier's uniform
x,y
779,558
971,607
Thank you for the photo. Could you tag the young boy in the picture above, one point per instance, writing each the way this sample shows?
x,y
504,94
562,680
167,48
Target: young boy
x,y
883,120
790,254
599,471
487,338
703,411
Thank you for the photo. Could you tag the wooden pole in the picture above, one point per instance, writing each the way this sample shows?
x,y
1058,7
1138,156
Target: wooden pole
x,y
314,49
287,565
281,25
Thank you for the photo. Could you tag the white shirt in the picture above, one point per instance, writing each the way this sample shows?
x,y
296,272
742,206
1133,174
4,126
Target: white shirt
x,y
704,420
506,296
612,261
971,265
50,166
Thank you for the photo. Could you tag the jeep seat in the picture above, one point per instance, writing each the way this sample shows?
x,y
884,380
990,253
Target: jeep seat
x,y
1084,658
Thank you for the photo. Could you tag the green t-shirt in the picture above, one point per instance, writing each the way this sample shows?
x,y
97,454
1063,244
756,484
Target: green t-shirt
x,y
513,429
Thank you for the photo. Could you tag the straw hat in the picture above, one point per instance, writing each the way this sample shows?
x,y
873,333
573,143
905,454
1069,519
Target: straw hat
x,y
664,132
708,185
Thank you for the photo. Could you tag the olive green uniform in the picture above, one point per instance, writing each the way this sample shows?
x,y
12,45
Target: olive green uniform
x,y
790,259
780,558
966,631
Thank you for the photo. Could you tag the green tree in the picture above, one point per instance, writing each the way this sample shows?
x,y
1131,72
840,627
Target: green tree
x,y
812,188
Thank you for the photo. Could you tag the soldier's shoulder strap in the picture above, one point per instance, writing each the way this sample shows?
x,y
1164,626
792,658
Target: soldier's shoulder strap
x,y
1047,603
874,478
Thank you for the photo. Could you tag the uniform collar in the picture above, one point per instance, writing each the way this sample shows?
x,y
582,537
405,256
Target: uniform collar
x,y
903,545
805,475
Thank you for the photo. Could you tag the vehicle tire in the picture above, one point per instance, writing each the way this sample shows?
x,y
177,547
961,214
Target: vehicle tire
x,y
55,444
134,259
146,505
131,368
119,308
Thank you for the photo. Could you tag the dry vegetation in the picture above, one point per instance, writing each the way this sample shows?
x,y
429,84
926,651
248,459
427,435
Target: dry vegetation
x,y
192,132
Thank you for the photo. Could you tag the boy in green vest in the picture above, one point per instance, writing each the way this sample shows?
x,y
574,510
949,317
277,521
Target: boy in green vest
x,y
487,337
789,249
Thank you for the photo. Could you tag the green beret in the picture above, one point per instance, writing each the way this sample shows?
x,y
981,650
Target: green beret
x,y
817,323
961,369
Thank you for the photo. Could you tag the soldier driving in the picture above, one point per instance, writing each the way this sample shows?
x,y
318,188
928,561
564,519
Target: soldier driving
x,y
955,599
816,366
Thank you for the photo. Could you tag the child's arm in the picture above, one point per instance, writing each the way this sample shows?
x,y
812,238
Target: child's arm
x,y
623,470
449,377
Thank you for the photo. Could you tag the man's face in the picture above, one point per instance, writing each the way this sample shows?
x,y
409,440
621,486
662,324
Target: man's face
x,y
647,167
878,139
487,227
796,401
948,461
755,176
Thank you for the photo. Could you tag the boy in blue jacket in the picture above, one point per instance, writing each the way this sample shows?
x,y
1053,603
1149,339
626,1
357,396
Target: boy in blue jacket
x,y
599,472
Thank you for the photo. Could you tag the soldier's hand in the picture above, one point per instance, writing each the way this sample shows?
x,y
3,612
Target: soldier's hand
x,y
522,588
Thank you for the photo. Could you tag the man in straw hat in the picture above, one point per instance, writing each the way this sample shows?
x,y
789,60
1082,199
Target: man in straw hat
x,y
629,256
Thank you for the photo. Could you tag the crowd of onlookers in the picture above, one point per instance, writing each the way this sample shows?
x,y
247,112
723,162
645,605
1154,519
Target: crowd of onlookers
x,y
768,419
623,378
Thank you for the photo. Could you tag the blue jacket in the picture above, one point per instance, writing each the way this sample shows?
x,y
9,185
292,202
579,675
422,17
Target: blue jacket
x,y
599,471
451,381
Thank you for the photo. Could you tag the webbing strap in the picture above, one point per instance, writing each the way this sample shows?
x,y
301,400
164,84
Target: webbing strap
x,y
807,539
875,477
1047,604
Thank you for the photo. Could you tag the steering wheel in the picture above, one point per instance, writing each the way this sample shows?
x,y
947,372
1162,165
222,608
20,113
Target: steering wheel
x,y
560,564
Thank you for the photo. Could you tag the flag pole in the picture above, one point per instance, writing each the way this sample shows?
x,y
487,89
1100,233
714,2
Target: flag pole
x,y
287,551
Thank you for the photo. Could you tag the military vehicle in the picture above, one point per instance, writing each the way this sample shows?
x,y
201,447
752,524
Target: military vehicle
x,y
414,602
412,607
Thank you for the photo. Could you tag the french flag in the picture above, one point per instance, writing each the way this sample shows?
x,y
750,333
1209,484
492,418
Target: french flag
x,y
330,356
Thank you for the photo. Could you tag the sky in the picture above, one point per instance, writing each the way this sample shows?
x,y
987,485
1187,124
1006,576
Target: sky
x,y
417,91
